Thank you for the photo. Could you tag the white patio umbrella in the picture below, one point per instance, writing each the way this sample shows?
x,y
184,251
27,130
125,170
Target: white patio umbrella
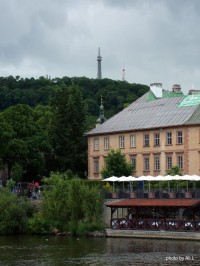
x,y
127,179
196,178
132,179
111,179
189,178
123,179
148,178
173,178
168,178
158,178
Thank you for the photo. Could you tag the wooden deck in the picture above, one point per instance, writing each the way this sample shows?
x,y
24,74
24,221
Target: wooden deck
x,y
155,214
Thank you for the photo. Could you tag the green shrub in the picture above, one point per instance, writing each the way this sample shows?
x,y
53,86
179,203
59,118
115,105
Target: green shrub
x,y
67,203
14,213
38,225
55,201
82,228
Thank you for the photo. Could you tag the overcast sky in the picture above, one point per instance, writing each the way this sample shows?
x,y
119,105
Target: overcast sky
x,y
154,40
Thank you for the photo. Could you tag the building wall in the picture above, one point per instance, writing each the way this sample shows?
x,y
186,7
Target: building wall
x,y
194,150
189,150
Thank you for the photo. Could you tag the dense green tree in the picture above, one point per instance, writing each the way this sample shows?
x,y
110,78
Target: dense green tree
x,y
116,165
26,141
174,170
17,173
43,118
50,137
68,128
6,135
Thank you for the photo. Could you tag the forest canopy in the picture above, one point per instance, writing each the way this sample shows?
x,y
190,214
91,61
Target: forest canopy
x,y
116,94
43,121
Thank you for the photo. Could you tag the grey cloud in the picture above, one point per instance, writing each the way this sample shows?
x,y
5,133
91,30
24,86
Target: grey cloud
x,y
155,40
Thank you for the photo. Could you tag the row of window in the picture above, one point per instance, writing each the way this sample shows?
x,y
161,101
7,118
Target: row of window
x,y
146,140
146,162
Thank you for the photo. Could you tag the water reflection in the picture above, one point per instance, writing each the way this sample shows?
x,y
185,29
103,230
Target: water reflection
x,y
51,251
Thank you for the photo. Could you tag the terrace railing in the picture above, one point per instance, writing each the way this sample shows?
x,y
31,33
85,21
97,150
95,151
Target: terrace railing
x,y
155,224
157,194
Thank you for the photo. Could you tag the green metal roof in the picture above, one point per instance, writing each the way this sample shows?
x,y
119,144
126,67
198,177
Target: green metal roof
x,y
166,94
190,100
150,96
169,94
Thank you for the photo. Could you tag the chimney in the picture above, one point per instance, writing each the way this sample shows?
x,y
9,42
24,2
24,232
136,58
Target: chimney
x,y
156,88
191,92
176,88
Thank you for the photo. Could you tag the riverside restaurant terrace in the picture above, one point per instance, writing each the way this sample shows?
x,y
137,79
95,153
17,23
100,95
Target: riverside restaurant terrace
x,y
156,209
150,187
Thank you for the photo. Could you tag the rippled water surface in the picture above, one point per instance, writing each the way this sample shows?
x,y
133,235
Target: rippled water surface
x,y
50,251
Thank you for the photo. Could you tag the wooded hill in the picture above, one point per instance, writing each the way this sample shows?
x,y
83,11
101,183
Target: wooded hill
x,y
43,121
116,94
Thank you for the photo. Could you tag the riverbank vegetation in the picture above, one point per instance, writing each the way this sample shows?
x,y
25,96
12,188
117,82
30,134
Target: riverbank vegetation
x,y
43,121
42,127
15,213
68,205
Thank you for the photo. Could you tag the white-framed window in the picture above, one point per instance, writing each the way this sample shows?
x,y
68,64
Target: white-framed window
x,y
156,163
157,139
96,144
133,161
96,165
121,142
146,163
168,138
180,161
168,162
133,141
146,140
106,143
179,137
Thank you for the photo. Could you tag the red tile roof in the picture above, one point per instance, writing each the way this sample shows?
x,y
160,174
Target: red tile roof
x,y
154,202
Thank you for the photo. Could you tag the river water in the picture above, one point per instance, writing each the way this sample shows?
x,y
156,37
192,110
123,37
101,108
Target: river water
x,y
53,251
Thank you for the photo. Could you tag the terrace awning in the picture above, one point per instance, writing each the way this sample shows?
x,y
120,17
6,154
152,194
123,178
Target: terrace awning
x,y
153,203
152,178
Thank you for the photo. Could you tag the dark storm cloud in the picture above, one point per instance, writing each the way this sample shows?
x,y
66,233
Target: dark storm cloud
x,y
154,40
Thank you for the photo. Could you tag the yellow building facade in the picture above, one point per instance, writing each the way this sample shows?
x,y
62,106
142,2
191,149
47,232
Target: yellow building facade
x,y
153,152
152,134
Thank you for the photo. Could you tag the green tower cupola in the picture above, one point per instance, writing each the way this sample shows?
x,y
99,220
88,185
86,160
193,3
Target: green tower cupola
x,y
101,118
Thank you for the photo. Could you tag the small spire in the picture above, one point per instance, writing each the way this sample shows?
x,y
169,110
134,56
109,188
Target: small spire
x,y
101,118
101,101
123,74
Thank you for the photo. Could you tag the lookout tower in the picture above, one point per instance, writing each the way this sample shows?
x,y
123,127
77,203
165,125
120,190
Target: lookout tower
x,y
99,58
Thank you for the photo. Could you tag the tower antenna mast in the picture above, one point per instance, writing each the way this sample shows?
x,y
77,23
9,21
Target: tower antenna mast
x,y
123,74
99,58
